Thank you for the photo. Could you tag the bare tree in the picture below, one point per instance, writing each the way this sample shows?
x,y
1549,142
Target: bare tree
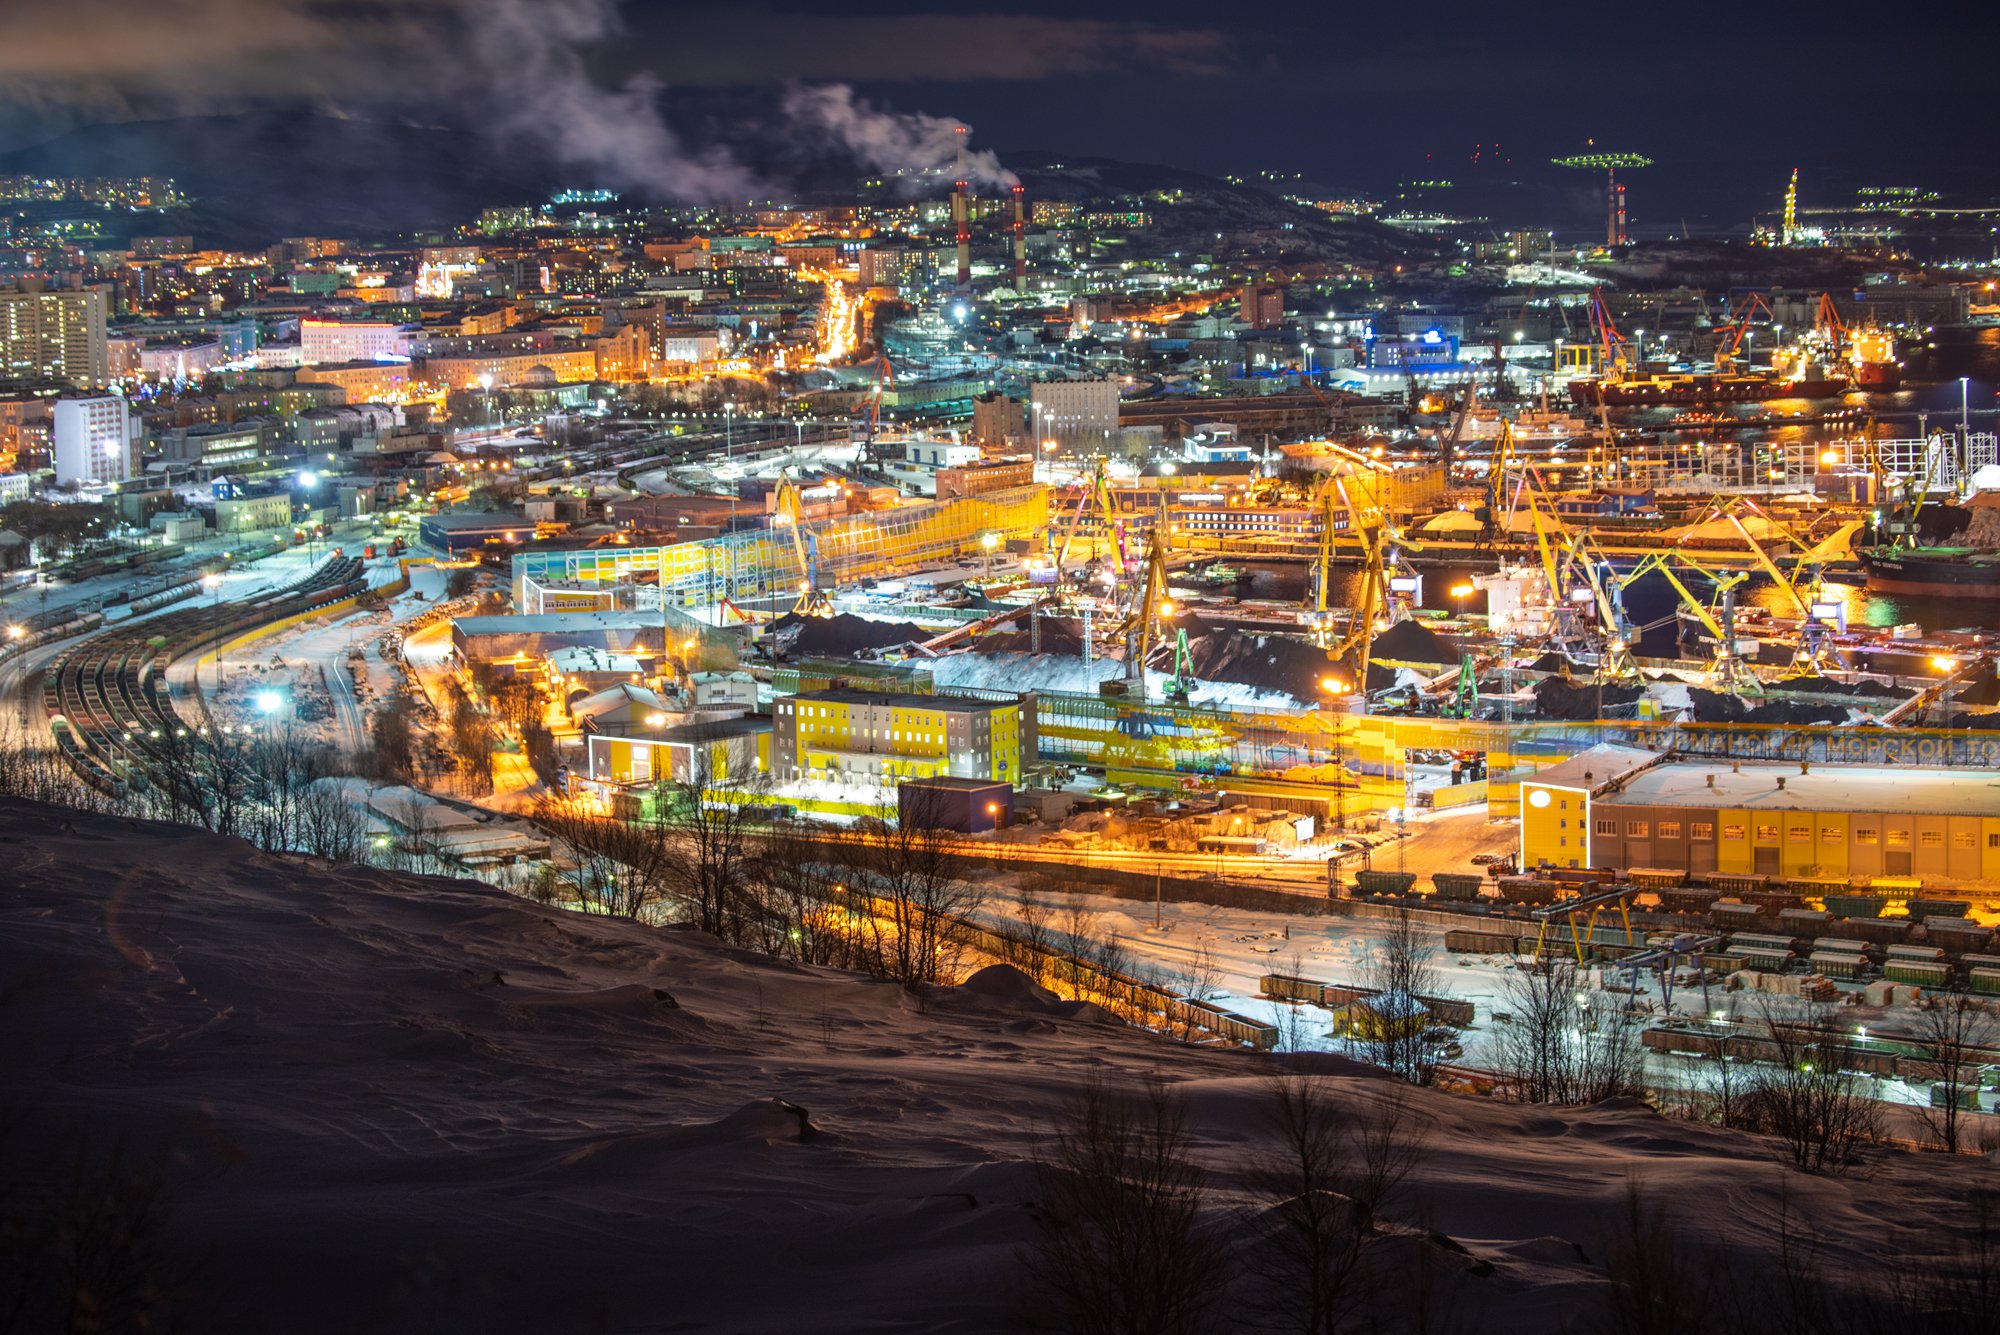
x,y
393,740
1661,1282
1804,1095
1122,1247
1030,936
1955,1036
805,893
330,823
921,902
1401,973
619,865
471,742
1562,1045
1325,1182
708,844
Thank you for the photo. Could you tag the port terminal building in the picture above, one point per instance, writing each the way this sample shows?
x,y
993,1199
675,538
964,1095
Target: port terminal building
x,y
1623,807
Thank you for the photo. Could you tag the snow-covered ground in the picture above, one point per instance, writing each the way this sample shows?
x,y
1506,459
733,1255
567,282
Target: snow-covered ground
x,y
412,1104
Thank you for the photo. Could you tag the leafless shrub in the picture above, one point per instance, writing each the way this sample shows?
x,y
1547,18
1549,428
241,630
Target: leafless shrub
x,y
1122,1247
1329,1175
1952,1033
1818,1110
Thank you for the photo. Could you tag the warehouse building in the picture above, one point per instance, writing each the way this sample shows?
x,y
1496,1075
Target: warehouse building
x,y
1615,806
843,734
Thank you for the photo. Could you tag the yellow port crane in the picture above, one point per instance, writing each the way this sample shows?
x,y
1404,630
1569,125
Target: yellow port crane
x,y
790,516
1726,670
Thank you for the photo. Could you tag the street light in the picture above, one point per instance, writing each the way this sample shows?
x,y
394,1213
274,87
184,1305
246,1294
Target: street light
x,y
213,582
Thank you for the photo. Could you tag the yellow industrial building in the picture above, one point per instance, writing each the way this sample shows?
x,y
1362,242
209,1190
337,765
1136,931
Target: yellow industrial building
x,y
1613,806
843,734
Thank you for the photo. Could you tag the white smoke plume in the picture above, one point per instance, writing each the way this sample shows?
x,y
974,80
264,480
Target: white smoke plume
x,y
913,147
530,55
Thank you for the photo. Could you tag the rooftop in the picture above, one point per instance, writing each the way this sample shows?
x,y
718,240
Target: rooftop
x,y
1592,769
555,623
898,700
955,784
1755,787
473,521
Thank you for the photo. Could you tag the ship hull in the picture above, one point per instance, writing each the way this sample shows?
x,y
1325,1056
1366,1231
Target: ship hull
x,y
1689,391
1878,377
1932,576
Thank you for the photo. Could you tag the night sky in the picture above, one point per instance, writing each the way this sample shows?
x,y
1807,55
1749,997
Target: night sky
x,y
1352,96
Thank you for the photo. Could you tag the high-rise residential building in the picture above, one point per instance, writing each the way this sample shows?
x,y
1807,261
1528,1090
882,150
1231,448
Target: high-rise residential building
x,y
59,334
1081,416
96,440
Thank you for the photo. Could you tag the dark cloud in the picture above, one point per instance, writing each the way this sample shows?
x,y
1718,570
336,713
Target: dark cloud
x,y
722,45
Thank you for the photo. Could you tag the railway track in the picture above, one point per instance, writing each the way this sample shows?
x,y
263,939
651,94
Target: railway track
x,y
106,699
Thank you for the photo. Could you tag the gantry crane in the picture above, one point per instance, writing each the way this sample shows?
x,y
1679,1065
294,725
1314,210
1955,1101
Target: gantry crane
x,y
790,516
1738,328
1726,670
885,379
1376,608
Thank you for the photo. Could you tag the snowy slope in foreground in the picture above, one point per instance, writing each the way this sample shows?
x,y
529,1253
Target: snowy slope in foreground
x,y
393,1103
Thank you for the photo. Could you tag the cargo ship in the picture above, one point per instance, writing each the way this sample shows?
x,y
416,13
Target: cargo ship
x,y
1699,388
1936,572
1871,352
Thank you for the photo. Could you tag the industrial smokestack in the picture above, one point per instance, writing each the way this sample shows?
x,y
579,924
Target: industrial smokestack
x,y
1020,239
960,210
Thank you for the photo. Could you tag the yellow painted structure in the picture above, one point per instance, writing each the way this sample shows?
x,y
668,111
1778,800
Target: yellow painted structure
x,y
880,544
862,734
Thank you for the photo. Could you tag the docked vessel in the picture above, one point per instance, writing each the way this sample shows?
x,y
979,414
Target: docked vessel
x,y
1872,355
1699,389
1940,572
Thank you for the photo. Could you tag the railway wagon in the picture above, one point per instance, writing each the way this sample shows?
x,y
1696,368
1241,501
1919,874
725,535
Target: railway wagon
x,y
1290,987
1840,964
1459,887
1228,1024
1920,966
1474,941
